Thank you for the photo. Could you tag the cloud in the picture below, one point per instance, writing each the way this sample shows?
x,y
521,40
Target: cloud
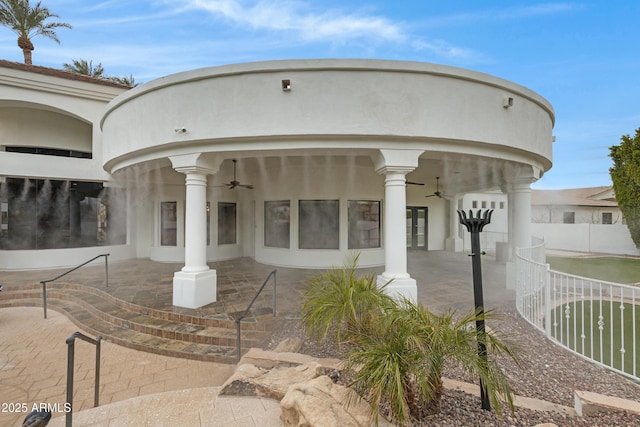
x,y
442,48
501,15
313,25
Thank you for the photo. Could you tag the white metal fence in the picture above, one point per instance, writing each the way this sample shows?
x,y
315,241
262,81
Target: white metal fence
x,y
592,318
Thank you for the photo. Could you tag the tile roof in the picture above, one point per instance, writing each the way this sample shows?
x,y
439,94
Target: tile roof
x,y
589,196
58,73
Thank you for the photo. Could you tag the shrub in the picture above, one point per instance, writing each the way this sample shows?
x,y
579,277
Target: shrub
x,y
397,349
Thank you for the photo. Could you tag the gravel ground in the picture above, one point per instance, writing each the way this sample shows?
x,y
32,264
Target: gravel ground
x,y
547,372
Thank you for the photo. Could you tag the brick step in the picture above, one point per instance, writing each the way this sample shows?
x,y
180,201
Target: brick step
x,y
129,338
139,331
254,320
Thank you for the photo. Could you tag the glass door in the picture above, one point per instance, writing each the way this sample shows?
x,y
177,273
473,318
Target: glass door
x,y
417,226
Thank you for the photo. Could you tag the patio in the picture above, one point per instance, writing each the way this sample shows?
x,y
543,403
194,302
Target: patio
x,y
444,281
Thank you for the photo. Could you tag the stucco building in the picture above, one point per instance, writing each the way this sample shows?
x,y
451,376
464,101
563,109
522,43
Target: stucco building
x,y
294,163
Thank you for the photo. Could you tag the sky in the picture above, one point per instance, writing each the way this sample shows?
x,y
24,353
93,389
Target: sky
x,y
582,56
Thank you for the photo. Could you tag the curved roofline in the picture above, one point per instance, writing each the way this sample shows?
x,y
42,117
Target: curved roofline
x,y
328,65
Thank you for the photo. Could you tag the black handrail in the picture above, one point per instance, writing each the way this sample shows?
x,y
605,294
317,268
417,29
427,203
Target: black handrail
x,y
70,368
243,315
44,282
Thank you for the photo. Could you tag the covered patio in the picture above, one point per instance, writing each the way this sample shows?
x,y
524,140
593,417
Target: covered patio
x,y
444,281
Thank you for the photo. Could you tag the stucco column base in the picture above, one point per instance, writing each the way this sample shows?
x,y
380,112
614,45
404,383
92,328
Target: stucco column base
x,y
511,275
194,290
399,287
453,244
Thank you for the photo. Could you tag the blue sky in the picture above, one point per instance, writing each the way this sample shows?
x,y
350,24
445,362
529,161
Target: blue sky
x,y
583,56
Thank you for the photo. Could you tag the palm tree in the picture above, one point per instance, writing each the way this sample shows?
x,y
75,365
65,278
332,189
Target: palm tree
x,y
82,66
125,80
28,22
399,358
338,299
397,350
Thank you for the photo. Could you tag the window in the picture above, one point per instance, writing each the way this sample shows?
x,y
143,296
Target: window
x,y
474,204
48,152
364,224
111,217
168,223
501,205
493,205
277,223
607,218
319,224
484,204
569,217
226,223
53,214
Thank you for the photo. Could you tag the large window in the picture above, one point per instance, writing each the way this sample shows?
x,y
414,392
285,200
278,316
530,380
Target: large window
x,y
277,223
52,214
226,223
364,224
168,223
319,224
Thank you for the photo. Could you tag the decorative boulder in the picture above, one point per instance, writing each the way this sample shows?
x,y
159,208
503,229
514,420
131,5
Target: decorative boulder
x,y
320,402
250,380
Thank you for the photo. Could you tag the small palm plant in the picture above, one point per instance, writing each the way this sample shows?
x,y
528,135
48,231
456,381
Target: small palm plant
x,y
398,360
398,349
337,300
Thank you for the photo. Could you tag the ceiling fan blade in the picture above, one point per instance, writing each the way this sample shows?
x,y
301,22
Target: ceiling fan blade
x,y
414,183
250,187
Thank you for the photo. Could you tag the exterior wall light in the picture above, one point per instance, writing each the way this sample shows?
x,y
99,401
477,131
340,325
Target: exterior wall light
x,y
507,102
286,85
180,130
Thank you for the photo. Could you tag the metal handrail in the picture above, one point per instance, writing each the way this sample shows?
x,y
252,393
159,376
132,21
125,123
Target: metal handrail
x,y
70,368
44,282
243,315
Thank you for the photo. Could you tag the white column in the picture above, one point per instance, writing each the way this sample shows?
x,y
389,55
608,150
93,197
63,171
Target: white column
x,y
195,233
519,199
195,285
395,237
395,165
453,243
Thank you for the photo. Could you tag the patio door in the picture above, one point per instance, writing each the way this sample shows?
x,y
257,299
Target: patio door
x,y
417,226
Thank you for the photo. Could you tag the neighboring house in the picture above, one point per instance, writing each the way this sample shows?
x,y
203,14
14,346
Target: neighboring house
x,y
581,219
577,219
293,163
591,205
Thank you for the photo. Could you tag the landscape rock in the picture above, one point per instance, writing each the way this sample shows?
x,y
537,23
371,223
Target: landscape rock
x,y
289,345
251,380
320,402
269,359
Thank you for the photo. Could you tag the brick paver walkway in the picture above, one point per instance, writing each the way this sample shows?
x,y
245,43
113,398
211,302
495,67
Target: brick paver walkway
x,y
33,368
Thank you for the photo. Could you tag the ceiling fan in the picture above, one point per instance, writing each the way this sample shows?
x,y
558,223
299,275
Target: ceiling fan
x,y
437,193
235,183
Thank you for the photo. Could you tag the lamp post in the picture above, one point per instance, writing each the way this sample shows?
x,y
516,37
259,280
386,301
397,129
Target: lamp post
x,y
475,225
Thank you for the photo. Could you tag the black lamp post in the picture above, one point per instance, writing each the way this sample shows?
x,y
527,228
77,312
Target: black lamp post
x,y
475,225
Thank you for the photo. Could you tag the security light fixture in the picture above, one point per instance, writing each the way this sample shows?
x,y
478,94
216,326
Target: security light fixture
x,y
180,130
507,102
286,85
